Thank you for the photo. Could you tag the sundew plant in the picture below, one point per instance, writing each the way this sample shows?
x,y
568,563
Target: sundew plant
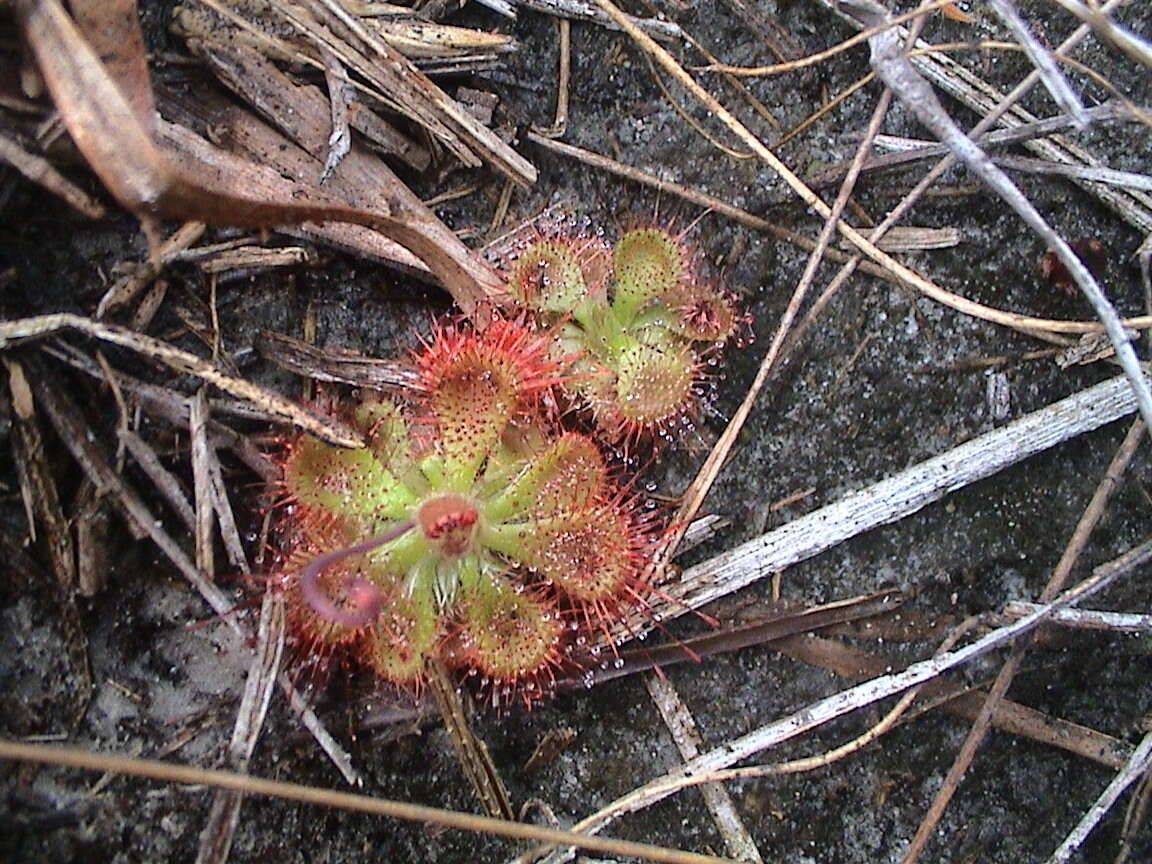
x,y
472,529
638,318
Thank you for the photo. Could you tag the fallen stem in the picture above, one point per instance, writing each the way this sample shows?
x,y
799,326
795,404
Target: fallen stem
x,y
886,501
156,769
838,704
1138,765
895,70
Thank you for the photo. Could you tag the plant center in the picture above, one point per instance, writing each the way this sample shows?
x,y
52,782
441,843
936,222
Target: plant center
x,y
448,522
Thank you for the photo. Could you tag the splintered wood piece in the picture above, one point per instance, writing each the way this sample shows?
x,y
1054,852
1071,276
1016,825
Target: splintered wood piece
x,y
886,501
846,701
93,521
472,752
127,287
163,479
152,183
40,171
333,364
37,485
172,407
404,81
224,815
73,430
682,726
302,113
276,405
202,490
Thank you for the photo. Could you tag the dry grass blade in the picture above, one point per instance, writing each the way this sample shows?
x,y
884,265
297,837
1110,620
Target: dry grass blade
x,y
564,76
202,488
764,631
266,400
126,288
1110,176
40,171
1109,30
577,10
171,773
474,757
1058,86
857,665
225,518
1111,111
1088,619
682,726
93,521
697,491
332,364
247,259
163,479
224,816
1059,577
1024,323
805,194
839,704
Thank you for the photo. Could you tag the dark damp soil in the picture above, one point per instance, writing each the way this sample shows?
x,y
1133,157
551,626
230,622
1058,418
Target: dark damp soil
x,y
883,384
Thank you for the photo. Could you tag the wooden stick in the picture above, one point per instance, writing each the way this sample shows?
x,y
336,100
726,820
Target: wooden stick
x,y
1137,766
170,772
888,500
838,704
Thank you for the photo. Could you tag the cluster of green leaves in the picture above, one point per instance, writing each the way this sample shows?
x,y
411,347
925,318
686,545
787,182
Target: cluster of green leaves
x,y
518,535
637,317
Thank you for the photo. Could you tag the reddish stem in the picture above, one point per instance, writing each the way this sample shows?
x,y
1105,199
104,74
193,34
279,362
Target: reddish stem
x,y
366,595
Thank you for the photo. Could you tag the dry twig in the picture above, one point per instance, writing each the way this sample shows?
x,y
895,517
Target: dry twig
x,y
897,72
171,773
1088,521
268,401
839,704
1138,766
888,500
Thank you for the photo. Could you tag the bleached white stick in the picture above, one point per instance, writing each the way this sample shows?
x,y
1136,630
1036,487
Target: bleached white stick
x,y
889,500
839,704
1087,619
1137,766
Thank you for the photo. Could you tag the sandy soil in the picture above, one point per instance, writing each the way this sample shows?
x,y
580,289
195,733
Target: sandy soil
x,y
879,389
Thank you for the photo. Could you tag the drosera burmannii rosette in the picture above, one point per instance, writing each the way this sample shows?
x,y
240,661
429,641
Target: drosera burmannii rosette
x,y
638,317
470,529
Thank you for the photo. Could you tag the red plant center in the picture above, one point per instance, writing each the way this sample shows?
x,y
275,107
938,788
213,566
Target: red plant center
x,y
448,522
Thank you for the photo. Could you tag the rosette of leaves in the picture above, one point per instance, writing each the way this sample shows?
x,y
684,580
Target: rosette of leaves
x,y
638,318
468,529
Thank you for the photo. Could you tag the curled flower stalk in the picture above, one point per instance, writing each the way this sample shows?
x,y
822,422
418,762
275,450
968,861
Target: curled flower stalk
x,y
493,535
637,316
